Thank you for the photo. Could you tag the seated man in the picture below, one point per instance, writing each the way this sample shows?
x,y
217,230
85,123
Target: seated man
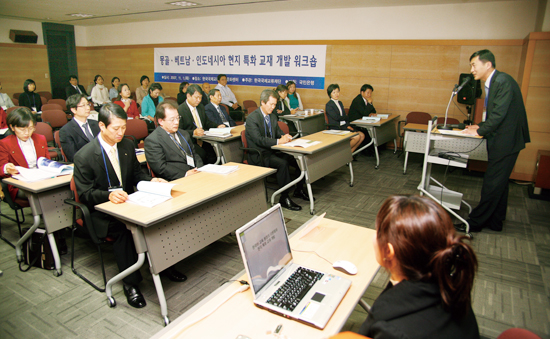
x,y
74,87
106,169
194,121
216,113
362,106
262,132
170,152
229,99
80,130
205,92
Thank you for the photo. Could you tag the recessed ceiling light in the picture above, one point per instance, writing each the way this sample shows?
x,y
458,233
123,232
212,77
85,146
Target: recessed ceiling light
x,y
81,15
183,3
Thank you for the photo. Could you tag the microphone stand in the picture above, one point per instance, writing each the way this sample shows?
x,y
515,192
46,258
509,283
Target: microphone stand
x,y
445,127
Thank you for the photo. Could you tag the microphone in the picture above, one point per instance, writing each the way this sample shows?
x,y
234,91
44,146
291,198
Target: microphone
x,y
463,84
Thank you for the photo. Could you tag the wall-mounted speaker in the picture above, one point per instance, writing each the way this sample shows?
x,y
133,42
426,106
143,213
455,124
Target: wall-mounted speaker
x,y
26,37
472,90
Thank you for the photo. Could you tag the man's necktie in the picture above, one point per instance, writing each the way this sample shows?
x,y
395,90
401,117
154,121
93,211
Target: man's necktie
x,y
116,166
196,118
268,122
87,132
224,120
78,89
178,144
486,96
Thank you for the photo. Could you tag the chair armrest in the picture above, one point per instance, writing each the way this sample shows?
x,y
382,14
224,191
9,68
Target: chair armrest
x,y
253,150
86,216
133,138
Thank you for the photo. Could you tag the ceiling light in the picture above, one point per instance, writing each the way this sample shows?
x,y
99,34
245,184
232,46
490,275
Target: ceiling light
x,y
81,15
183,3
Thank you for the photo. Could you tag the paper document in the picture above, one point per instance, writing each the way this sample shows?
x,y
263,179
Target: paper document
x,y
448,132
219,132
46,169
370,120
304,143
150,193
382,116
218,169
3,130
336,132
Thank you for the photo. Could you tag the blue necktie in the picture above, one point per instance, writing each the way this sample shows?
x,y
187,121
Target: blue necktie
x,y
486,96
268,122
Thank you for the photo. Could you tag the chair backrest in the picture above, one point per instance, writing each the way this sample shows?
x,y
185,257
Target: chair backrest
x,y
249,103
49,107
326,119
43,100
450,121
251,109
46,95
15,101
57,140
346,110
137,128
16,95
45,130
245,145
73,189
517,333
284,127
56,118
150,170
226,107
171,99
418,118
60,102
13,109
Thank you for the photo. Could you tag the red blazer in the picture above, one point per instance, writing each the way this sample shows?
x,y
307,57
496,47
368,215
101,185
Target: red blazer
x,y
132,111
11,152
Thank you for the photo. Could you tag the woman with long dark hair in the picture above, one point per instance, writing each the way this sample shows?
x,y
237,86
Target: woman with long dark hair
x,y
431,271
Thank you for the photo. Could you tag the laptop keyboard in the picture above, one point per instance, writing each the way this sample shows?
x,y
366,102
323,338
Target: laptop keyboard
x,y
295,288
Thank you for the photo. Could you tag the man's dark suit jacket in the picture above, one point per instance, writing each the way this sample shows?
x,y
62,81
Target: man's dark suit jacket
x,y
505,126
359,108
334,116
70,90
73,138
256,130
213,115
165,158
91,178
186,119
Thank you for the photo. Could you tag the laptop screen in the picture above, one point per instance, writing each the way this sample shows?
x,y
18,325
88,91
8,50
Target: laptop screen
x,y
266,248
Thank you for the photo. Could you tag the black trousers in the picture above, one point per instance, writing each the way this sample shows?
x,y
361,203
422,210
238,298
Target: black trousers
x,y
206,152
281,162
236,114
491,210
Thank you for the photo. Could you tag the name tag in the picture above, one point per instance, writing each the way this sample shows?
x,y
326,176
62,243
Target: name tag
x,y
342,123
190,160
34,109
115,188
4,107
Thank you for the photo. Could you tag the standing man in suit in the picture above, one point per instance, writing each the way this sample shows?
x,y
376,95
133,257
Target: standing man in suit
x,y
228,98
74,87
506,130
107,169
193,119
216,113
80,130
362,106
170,152
262,132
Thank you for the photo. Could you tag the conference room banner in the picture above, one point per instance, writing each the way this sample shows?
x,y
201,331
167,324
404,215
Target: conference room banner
x,y
266,66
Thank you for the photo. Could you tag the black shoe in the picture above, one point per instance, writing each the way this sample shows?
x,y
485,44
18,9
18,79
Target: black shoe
x,y
302,194
461,227
134,296
289,204
174,275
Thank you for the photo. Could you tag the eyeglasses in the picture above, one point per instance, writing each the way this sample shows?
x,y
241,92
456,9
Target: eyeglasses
x,y
26,129
172,120
89,105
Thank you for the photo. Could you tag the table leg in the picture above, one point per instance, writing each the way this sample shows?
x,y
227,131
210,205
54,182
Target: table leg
x,y
24,238
351,174
377,157
298,129
289,185
120,276
55,253
406,160
162,297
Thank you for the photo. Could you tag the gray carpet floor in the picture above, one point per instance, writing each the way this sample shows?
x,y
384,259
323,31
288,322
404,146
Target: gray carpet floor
x,y
512,286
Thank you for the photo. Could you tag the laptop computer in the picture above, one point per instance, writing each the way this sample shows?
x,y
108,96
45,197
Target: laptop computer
x,y
278,284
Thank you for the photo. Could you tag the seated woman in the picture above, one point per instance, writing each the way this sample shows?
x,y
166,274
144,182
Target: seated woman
x,y
431,274
182,94
113,92
282,107
100,94
337,117
150,103
29,98
22,148
123,100
141,92
293,99
5,100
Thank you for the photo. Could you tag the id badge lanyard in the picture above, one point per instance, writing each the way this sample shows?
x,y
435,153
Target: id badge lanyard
x,y
183,150
111,188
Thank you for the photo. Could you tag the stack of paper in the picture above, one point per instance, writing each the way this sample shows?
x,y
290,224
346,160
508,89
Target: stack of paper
x,y
150,193
218,169
336,132
301,143
46,169
371,120
219,132
383,116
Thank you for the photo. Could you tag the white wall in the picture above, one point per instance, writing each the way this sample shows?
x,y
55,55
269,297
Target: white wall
x,y
481,20
7,24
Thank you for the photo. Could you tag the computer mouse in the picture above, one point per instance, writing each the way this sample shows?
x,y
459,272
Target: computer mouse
x,y
345,266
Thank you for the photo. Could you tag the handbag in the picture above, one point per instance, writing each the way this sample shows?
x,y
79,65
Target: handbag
x,y
37,251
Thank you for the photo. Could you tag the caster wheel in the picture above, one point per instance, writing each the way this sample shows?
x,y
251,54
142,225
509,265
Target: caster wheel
x,y
111,302
312,212
404,173
166,321
350,185
470,235
57,273
376,167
